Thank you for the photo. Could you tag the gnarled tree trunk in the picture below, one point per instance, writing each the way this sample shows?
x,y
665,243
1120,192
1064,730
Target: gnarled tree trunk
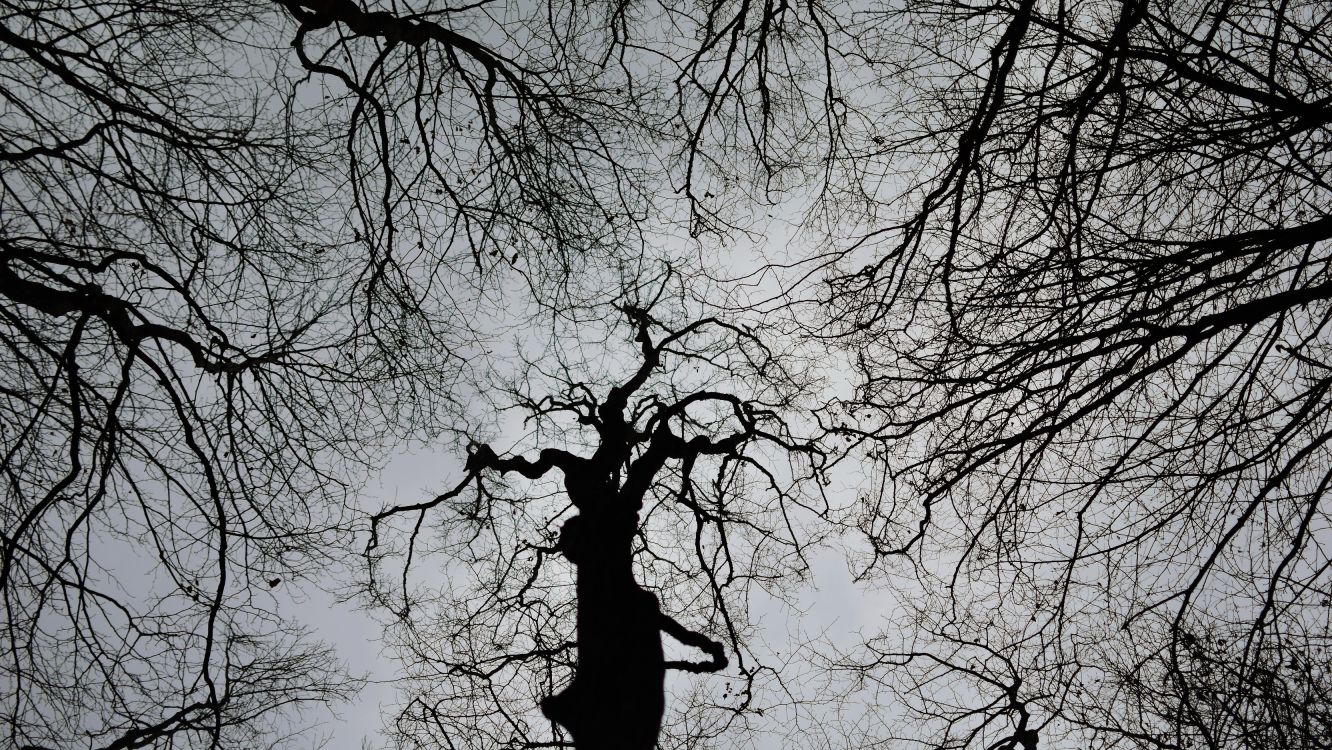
x,y
617,696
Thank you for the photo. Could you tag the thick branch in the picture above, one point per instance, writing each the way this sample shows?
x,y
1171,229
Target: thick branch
x,y
314,14
696,640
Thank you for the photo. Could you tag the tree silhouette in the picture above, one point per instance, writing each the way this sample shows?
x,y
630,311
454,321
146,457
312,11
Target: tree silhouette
x,y
1094,368
667,484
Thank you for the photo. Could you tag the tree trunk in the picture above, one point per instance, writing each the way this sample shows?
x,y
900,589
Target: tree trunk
x,y
617,696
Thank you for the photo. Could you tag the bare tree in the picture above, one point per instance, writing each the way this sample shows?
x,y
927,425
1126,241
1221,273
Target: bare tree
x,y
1094,369
688,487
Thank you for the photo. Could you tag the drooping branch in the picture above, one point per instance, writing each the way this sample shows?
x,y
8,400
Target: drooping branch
x,y
317,14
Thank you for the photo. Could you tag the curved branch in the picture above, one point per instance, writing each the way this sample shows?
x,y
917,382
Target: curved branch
x,y
696,640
